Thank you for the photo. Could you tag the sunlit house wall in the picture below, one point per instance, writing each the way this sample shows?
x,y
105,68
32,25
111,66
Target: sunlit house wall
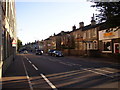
x,y
8,32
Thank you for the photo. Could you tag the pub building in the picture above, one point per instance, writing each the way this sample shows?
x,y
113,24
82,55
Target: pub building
x,y
109,42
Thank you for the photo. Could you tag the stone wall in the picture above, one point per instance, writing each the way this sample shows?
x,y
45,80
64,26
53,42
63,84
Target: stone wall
x,y
73,52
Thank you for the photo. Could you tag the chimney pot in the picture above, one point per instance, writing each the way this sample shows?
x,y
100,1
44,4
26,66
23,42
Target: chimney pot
x,y
81,24
93,22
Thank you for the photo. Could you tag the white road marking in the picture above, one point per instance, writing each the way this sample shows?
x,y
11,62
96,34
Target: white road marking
x,y
26,57
35,67
30,84
98,73
104,70
52,86
78,65
29,61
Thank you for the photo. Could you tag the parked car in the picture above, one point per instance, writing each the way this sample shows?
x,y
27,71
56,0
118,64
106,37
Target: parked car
x,y
42,51
25,52
50,52
38,52
57,53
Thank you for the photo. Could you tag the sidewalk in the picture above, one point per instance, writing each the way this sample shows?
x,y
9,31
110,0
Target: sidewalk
x,y
15,77
16,68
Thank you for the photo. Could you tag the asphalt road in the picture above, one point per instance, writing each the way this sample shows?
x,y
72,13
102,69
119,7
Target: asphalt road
x,y
34,72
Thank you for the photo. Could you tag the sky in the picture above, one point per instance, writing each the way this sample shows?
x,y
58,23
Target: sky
x,y
39,20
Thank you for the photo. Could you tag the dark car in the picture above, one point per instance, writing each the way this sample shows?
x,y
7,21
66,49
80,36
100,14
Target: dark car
x,y
50,52
38,52
57,53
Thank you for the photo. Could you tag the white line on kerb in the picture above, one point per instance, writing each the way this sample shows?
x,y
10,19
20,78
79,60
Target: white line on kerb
x,y
30,84
35,67
52,86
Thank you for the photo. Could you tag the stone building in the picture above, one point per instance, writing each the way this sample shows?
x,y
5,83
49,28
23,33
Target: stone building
x,y
90,39
49,43
77,34
8,38
57,42
85,39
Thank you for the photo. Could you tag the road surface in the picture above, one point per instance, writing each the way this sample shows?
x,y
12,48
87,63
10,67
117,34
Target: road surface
x,y
34,72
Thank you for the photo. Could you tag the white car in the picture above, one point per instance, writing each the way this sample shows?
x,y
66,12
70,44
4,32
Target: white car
x,y
25,52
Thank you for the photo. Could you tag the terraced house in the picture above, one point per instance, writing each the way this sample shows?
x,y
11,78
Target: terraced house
x,y
90,40
82,41
49,43
7,33
86,39
57,42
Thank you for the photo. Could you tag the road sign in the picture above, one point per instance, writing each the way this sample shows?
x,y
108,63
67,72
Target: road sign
x,y
14,42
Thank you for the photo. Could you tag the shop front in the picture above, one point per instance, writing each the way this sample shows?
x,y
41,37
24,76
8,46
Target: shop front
x,y
109,42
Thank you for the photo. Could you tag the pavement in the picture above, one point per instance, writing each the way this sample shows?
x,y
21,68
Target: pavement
x,y
15,77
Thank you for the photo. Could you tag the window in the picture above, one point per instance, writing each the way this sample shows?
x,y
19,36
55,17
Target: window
x,y
95,45
88,46
107,46
80,46
85,46
76,45
94,32
89,34
84,35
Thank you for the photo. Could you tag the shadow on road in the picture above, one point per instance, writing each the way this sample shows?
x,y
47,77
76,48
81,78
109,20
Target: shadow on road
x,y
82,78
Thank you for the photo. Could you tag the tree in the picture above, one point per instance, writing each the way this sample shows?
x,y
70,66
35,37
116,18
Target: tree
x,y
108,12
19,44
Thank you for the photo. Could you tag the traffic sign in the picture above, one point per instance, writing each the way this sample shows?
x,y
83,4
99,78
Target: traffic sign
x,y
14,42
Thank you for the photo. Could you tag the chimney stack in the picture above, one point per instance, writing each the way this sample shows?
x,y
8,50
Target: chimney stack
x,y
81,24
93,22
74,27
